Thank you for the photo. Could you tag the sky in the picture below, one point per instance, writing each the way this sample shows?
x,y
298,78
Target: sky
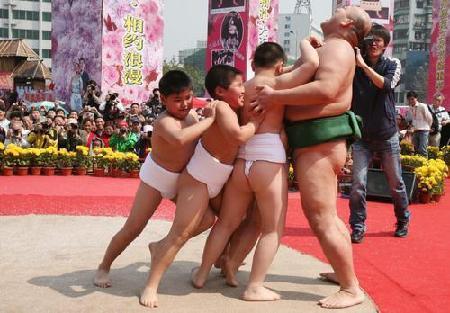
x,y
186,21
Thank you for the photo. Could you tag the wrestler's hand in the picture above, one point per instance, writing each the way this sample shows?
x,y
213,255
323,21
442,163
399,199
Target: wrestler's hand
x,y
359,59
315,42
210,109
264,95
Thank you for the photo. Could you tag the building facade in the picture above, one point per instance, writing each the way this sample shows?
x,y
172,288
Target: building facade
x,y
292,28
29,20
413,21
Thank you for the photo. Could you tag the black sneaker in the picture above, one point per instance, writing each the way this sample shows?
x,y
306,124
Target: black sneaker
x,y
401,229
358,235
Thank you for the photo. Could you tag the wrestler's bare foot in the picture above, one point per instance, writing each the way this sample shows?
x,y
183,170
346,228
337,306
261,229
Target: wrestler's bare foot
x,y
342,299
230,275
102,279
329,277
197,280
149,297
258,292
219,262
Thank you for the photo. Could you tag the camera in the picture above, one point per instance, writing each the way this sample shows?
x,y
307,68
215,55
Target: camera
x,y
363,44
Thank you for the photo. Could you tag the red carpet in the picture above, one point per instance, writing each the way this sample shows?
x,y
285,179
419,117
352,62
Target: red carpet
x,y
401,275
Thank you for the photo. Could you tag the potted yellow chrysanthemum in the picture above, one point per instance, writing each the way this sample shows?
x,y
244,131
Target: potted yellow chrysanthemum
x,y
82,160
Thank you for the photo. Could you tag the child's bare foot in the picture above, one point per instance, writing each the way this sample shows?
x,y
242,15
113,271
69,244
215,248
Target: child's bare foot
x,y
219,262
102,279
230,275
329,277
198,280
259,293
342,299
149,297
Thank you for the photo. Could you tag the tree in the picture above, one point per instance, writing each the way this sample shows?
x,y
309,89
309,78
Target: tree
x,y
197,75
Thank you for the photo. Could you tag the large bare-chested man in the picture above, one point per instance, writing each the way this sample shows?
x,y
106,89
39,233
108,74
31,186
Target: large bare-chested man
x,y
317,128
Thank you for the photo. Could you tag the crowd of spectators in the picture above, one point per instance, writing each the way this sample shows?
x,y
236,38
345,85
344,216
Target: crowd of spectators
x,y
105,123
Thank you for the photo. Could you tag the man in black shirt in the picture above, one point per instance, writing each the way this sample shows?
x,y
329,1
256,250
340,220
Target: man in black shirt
x,y
376,77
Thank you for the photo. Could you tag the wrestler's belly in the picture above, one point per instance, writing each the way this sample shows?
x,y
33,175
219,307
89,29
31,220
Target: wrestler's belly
x,y
302,113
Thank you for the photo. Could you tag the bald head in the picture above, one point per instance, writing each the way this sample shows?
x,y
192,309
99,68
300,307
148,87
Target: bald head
x,y
351,23
362,23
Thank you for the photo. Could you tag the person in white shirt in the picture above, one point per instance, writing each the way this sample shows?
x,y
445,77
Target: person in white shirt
x,y
420,119
442,116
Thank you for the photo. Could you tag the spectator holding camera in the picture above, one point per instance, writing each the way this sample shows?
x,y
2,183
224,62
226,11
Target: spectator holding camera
x,y
376,77
39,136
91,97
123,140
144,142
112,107
73,136
16,136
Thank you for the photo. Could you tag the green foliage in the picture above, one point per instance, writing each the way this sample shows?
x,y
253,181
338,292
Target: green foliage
x,y
197,75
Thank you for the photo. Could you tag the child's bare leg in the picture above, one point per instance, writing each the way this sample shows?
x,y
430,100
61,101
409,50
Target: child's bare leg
x,y
145,203
269,181
236,199
241,243
192,202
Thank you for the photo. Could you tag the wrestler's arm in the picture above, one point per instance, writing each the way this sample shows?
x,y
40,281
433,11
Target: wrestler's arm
x,y
169,129
229,124
337,61
302,74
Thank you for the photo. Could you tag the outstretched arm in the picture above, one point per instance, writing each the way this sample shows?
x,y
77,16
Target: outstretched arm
x,y
337,62
302,74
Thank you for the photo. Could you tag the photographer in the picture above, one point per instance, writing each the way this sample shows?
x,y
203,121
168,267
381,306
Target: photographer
x,y
122,140
376,77
91,97
144,142
73,137
39,136
111,107
15,135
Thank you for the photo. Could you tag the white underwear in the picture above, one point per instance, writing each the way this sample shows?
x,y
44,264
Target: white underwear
x,y
159,178
207,169
262,147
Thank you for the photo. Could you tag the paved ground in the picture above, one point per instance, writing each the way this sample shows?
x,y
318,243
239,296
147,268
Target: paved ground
x,y
47,264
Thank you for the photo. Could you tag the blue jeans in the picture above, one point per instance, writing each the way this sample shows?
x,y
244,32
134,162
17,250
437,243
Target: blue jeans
x,y
389,150
420,142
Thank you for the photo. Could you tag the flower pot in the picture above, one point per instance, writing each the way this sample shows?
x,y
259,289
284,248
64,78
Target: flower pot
x,y
134,174
115,172
424,197
48,171
8,171
36,170
81,171
21,171
124,174
99,172
66,171
436,197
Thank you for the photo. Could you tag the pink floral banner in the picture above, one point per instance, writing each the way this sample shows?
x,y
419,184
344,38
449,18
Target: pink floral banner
x,y
262,26
236,27
76,46
438,75
132,53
